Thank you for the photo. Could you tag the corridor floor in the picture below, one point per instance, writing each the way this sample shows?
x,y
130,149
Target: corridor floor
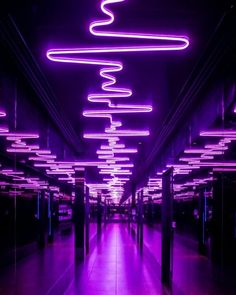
x,y
115,266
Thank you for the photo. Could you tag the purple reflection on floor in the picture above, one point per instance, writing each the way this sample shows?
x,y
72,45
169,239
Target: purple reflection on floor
x,y
116,267
192,273
42,272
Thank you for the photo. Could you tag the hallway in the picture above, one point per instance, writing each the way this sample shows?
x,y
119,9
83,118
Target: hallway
x,y
117,147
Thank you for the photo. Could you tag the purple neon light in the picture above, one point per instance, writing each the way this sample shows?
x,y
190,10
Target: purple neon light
x,y
2,114
224,169
117,151
3,129
108,69
219,133
14,136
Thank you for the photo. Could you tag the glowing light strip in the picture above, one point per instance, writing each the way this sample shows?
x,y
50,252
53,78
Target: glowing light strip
x,y
3,129
2,114
43,158
217,164
122,133
159,42
224,169
117,151
219,133
13,136
217,151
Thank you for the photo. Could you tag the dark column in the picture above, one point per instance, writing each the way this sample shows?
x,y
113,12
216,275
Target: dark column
x,y
202,221
133,203
129,213
50,216
140,217
41,218
167,232
87,212
79,214
150,210
105,210
99,213
133,195
223,241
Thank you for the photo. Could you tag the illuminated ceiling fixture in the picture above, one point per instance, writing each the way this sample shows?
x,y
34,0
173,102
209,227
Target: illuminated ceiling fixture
x,y
108,69
220,133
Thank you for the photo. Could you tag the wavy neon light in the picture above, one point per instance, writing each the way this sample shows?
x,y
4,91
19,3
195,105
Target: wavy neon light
x,y
3,129
108,69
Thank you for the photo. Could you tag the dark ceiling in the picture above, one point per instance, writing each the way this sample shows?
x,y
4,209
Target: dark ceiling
x,y
155,78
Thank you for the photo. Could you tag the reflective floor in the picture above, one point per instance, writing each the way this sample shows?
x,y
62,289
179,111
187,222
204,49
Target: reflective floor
x,y
115,266
192,273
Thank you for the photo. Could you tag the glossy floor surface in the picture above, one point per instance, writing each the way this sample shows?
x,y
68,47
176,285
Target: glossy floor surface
x,y
115,265
193,274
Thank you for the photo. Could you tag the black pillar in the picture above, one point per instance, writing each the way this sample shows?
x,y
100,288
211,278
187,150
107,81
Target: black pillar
x,y
41,215
105,210
87,220
50,216
150,210
129,213
79,213
140,219
223,241
167,232
133,203
202,212
99,213
133,195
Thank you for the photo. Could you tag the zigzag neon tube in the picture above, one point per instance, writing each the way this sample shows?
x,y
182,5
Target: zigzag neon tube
x,y
108,69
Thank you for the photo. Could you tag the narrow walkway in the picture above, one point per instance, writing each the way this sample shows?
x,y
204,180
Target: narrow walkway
x,y
116,267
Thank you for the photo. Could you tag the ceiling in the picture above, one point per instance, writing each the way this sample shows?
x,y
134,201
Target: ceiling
x,y
156,78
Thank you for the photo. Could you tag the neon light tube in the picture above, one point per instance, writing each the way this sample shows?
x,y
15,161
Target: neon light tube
x,y
219,133
118,133
108,69
217,164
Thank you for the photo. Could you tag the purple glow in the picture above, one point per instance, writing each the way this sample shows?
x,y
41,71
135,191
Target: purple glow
x,y
116,134
3,130
221,146
13,136
117,151
218,151
219,133
217,164
108,69
2,114
224,169
10,172
42,158
24,151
